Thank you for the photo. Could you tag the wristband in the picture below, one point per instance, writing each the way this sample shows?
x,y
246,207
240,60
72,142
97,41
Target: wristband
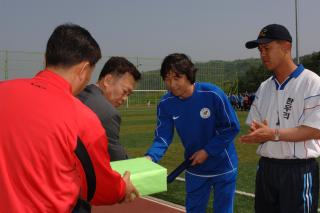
x,y
276,135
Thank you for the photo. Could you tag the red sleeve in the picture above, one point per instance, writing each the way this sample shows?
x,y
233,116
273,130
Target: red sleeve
x,y
110,187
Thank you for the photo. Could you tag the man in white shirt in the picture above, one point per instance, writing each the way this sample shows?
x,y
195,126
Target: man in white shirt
x,y
285,120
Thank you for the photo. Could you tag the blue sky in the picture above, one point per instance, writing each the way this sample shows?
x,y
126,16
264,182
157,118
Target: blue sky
x,y
203,29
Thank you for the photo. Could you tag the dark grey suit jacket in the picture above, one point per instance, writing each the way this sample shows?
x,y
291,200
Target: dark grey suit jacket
x,y
109,116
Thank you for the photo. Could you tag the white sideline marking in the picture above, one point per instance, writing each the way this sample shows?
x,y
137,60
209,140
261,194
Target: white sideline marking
x,y
165,203
237,192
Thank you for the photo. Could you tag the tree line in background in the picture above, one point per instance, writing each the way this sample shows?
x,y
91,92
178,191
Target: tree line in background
x,y
239,76
252,78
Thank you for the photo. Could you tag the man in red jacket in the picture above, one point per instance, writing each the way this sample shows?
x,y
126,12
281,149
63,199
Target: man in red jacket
x,y
42,124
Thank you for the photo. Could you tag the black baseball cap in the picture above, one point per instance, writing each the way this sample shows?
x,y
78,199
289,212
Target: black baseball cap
x,y
270,33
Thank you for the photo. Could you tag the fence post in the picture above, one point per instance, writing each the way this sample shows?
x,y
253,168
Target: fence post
x,y
6,65
127,105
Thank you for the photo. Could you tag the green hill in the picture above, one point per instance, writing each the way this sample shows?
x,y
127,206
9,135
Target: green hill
x,y
233,76
215,71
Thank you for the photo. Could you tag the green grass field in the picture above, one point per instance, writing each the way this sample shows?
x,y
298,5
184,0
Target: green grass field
x,y
137,133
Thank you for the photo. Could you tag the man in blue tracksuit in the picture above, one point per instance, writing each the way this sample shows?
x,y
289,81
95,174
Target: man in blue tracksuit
x,y
207,126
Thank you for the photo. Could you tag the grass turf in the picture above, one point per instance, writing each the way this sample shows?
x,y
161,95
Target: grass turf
x,y
137,129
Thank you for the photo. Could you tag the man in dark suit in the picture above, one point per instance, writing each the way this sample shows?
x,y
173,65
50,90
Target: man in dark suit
x,y
116,82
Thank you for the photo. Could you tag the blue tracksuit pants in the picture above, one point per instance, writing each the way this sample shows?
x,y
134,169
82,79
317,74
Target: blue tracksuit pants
x,y
198,189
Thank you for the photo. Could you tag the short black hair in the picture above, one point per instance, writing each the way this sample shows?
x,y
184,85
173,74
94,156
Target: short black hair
x,y
178,63
119,66
70,44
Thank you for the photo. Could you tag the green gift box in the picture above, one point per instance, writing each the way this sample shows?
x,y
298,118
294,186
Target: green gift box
x,y
147,176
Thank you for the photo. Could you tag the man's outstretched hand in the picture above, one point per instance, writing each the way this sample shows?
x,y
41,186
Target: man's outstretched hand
x,y
131,191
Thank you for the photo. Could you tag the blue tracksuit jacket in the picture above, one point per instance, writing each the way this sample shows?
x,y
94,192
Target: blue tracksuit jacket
x,y
205,120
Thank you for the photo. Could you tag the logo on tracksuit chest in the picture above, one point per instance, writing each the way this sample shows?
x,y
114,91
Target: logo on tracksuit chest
x,y
205,113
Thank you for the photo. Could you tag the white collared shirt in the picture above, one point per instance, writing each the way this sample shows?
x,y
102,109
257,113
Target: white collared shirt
x,y
294,103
